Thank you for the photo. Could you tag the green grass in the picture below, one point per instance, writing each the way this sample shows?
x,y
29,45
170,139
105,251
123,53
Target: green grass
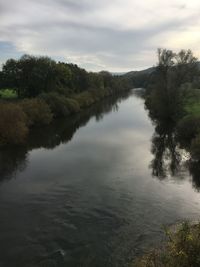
x,y
192,104
8,94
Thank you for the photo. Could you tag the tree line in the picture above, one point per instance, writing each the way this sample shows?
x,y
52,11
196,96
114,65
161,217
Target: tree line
x,y
30,76
46,89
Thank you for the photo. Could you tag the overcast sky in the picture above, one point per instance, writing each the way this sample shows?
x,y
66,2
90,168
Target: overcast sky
x,y
116,35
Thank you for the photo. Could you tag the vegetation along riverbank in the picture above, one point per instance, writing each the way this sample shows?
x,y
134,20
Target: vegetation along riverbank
x,y
173,98
181,249
38,90
173,101
35,91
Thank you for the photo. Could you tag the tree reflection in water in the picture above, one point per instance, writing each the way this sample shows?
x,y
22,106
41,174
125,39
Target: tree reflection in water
x,y
164,148
169,158
14,159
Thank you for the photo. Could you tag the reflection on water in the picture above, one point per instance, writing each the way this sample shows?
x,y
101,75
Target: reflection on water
x,y
194,168
169,159
164,147
81,192
13,159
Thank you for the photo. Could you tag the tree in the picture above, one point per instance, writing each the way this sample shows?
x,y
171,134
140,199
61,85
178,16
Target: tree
x,y
30,75
173,70
186,67
95,81
107,78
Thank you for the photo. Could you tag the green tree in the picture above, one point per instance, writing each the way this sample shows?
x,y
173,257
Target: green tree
x,y
30,75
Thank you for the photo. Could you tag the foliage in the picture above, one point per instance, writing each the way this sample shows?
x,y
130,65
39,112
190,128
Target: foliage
x,y
57,103
79,81
191,103
8,94
195,147
188,128
172,99
96,81
165,100
37,111
13,129
48,89
73,105
181,249
30,75
84,99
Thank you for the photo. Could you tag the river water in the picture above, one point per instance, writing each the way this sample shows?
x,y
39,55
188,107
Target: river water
x,y
82,193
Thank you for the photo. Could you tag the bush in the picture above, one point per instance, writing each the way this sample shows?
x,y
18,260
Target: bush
x,y
13,129
84,99
99,94
57,103
63,91
188,128
181,249
73,105
8,94
195,148
37,111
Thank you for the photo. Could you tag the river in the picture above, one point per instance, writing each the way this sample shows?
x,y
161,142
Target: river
x,y
81,193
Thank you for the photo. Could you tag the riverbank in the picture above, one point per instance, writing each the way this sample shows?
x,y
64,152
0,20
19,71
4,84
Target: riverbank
x,y
173,97
36,90
101,209
19,117
181,248
188,127
173,102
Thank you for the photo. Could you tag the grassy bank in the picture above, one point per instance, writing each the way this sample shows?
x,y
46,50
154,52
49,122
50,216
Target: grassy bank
x,y
181,249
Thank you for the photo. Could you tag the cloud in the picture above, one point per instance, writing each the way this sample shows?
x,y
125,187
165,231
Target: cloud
x,y
118,35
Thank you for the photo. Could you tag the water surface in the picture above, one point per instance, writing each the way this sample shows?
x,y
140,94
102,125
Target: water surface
x,y
81,193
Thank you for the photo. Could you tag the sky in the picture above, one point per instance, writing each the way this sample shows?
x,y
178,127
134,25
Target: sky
x,y
115,35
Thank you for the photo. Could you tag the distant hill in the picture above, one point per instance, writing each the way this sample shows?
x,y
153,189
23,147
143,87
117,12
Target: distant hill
x,y
139,78
118,73
140,72
142,78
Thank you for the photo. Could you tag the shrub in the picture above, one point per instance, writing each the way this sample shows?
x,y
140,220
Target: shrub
x,y
99,94
188,128
73,105
57,103
63,91
8,94
37,111
195,148
13,129
84,99
181,249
